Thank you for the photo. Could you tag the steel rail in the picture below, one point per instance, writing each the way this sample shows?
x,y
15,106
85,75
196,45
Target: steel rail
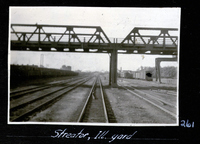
x,y
27,91
22,90
103,101
163,109
19,93
25,114
155,98
86,103
38,98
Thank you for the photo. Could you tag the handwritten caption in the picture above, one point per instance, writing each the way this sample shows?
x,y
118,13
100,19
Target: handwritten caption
x,y
187,124
84,135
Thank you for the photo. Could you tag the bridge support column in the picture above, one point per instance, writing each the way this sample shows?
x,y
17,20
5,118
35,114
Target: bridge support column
x,y
110,71
158,70
157,66
113,69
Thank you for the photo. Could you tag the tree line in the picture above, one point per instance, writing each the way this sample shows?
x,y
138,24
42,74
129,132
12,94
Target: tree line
x,y
166,72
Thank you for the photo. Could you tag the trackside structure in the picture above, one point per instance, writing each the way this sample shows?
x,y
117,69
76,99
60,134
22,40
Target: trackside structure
x,y
92,39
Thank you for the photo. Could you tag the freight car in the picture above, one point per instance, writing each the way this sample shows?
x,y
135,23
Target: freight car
x,y
125,74
143,74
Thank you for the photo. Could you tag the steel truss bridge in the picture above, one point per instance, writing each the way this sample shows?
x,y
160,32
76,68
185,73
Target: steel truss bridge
x,y
92,39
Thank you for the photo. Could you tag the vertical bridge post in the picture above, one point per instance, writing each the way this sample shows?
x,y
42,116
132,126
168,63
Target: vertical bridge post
x,y
113,67
157,66
110,70
157,62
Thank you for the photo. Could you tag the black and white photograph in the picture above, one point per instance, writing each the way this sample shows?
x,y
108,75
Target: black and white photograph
x,y
97,66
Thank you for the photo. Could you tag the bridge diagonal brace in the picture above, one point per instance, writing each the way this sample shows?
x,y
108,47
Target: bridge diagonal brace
x,y
156,41
92,36
22,34
127,37
95,39
132,41
45,38
25,36
102,39
141,37
15,33
33,34
155,38
171,39
98,37
59,36
158,36
47,35
62,36
75,36
105,35
43,29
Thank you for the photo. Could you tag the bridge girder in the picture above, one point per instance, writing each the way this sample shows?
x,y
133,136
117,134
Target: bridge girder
x,y
62,37
92,39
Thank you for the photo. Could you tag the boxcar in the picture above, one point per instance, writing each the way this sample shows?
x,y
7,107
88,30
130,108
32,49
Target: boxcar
x,y
143,74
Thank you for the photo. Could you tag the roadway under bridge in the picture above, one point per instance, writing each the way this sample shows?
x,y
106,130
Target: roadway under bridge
x,y
92,39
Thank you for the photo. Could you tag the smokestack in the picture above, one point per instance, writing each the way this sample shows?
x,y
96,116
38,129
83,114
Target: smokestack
x,y
42,60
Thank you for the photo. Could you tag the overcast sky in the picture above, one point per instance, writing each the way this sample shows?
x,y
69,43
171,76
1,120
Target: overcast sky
x,y
116,23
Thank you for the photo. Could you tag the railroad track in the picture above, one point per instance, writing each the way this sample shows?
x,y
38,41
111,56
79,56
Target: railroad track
x,y
96,107
21,110
153,88
159,103
19,93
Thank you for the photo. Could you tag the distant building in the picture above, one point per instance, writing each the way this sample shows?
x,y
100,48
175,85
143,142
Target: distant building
x,y
64,67
79,71
125,73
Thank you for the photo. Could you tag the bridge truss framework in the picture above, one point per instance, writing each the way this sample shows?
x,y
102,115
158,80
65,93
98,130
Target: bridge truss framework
x,y
92,39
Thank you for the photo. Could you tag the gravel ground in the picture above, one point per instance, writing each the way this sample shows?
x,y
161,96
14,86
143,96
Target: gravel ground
x,y
153,85
131,109
67,108
126,107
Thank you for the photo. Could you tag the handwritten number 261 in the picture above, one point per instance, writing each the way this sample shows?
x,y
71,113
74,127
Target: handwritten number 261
x,y
187,124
